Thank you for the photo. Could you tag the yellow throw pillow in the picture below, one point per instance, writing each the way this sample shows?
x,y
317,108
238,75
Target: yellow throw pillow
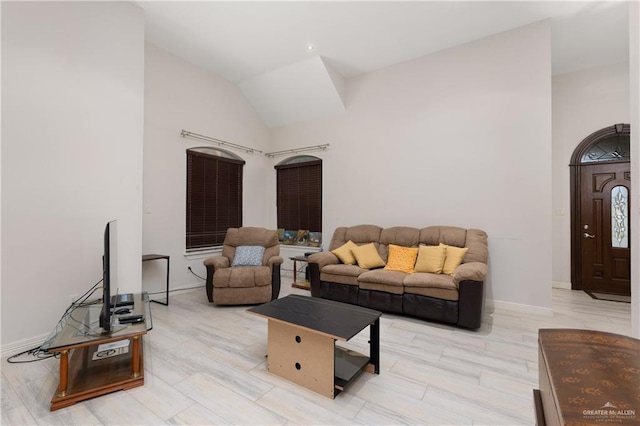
x,y
367,256
344,253
401,258
430,259
453,258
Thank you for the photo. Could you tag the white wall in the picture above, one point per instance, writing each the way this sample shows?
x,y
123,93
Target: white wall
x,y
179,95
583,102
461,137
72,111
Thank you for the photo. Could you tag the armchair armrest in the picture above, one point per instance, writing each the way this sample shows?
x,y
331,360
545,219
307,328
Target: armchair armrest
x,y
274,263
213,263
217,262
275,260
472,271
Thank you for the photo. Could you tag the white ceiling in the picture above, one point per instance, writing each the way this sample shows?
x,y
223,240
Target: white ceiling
x,y
245,42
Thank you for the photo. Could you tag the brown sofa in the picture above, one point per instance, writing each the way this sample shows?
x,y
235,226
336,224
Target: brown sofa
x,y
239,285
457,298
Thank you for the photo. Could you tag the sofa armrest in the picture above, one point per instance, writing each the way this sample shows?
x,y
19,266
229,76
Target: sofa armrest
x,y
470,304
472,271
323,259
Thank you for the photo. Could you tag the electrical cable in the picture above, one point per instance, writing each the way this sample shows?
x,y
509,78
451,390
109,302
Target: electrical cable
x,y
37,351
195,273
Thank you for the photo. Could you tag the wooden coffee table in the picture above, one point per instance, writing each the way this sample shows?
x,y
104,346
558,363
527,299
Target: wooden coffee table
x,y
302,332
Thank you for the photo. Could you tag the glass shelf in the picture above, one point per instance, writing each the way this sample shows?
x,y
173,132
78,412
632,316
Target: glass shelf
x,y
81,324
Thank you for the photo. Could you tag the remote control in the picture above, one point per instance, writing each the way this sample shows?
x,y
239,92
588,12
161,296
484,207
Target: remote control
x,y
131,319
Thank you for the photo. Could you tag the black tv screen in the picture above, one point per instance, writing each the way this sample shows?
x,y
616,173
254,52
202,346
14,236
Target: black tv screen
x,y
109,273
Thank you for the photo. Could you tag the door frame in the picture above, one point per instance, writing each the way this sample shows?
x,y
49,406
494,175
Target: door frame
x,y
575,167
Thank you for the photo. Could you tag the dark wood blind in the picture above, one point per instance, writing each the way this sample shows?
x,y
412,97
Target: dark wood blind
x,y
299,198
214,198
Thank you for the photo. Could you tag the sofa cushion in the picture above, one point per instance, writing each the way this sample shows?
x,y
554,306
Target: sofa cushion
x,y
339,279
342,274
383,276
401,259
382,288
429,236
367,256
436,293
344,253
361,234
432,285
430,259
454,256
341,269
382,280
477,244
404,236
242,276
453,236
241,296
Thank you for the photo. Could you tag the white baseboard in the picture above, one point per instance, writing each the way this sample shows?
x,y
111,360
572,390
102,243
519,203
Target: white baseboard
x,y
561,284
22,345
519,308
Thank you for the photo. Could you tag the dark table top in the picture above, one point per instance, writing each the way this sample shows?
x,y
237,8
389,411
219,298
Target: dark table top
x,y
339,320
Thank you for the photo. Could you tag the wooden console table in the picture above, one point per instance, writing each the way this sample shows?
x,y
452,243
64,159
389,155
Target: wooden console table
x,y
86,371
587,378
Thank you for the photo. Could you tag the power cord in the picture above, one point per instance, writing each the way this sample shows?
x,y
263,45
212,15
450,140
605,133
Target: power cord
x,y
34,352
40,354
190,270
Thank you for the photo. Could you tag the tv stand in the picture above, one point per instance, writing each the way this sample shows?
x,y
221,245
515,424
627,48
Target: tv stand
x,y
93,363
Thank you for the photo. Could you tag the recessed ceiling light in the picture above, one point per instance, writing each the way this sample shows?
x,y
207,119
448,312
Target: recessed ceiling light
x,y
310,47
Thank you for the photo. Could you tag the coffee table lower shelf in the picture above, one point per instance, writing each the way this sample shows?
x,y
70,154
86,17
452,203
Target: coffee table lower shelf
x,y
348,365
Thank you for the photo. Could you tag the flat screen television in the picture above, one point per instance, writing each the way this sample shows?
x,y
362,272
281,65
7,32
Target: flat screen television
x,y
109,272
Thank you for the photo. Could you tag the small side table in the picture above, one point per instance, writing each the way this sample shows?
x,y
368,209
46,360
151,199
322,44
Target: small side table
x,y
299,284
146,257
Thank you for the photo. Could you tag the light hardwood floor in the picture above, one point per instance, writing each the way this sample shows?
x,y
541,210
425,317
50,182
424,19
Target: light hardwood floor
x,y
205,364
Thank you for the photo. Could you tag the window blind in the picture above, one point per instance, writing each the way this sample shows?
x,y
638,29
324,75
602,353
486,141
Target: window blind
x,y
214,198
299,196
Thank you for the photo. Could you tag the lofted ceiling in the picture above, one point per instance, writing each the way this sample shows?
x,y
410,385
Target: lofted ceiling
x,y
263,46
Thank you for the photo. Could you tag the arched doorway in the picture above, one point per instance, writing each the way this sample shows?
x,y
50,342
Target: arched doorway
x,y
600,190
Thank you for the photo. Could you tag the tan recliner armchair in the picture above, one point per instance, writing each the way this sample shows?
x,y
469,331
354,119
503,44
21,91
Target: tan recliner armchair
x,y
248,271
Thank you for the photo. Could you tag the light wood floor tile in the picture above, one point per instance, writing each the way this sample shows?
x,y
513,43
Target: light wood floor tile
x,y
205,364
229,405
161,398
196,414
